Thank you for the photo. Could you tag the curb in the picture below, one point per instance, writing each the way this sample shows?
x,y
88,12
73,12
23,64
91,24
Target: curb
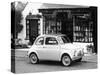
x,y
89,54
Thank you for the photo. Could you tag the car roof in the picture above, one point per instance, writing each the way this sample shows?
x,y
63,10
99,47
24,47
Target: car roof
x,y
49,35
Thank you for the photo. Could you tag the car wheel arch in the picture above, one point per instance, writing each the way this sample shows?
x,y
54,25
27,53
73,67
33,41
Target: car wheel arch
x,y
33,53
63,59
64,54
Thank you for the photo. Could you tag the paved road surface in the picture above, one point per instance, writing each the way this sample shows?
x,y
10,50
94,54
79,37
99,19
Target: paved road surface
x,y
24,66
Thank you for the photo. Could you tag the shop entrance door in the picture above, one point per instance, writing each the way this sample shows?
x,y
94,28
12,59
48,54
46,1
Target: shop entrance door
x,y
33,29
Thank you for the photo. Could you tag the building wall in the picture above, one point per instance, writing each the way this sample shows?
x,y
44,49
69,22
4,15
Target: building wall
x,y
33,8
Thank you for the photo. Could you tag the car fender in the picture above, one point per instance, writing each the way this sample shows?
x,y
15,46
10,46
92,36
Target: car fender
x,y
66,51
32,50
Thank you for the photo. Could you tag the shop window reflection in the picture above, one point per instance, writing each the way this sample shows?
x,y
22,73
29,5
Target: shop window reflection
x,y
82,31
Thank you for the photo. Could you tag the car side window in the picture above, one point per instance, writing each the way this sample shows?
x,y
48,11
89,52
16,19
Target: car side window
x,y
51,41
63,39
40,41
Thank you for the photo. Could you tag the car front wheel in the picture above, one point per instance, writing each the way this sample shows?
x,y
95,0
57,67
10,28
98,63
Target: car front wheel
x,y
66,60
33,58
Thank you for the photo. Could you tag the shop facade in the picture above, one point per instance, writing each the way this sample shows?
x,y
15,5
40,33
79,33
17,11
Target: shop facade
x,y
79,24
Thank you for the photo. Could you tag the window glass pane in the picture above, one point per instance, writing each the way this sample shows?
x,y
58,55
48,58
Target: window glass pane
x,y
63,39
51,41
40,41
82,29
60,40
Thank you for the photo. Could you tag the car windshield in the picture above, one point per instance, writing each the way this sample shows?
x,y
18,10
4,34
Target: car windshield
x,y
63,39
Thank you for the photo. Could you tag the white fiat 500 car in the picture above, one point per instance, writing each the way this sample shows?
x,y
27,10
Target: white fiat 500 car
x,y
55,48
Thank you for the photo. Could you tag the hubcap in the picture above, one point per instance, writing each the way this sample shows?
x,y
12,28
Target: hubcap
x,y
33,58
66,60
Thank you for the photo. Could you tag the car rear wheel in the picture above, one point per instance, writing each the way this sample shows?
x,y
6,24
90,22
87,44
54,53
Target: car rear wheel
x,y
66,60
33,58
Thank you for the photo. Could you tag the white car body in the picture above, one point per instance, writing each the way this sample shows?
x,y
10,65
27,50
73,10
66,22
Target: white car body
x,y
55,52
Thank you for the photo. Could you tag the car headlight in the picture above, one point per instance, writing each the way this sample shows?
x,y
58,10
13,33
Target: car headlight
x,y
79,52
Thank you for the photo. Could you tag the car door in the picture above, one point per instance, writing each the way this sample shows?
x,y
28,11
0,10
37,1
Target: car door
x,y
51,48
39,44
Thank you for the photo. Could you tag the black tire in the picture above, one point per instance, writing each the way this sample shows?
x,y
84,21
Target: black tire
x,y
78,60
66,60
33,58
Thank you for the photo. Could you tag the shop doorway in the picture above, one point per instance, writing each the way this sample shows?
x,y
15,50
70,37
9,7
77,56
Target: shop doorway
x,y
33,29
